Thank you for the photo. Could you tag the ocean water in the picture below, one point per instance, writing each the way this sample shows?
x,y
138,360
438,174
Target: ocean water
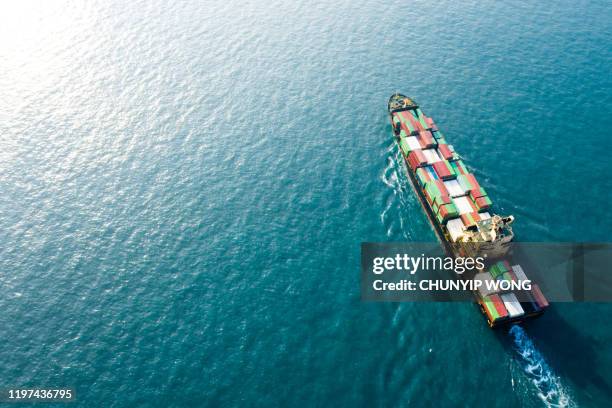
x,y
184,187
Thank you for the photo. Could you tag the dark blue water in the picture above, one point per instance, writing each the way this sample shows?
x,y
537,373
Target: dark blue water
x,y
184,188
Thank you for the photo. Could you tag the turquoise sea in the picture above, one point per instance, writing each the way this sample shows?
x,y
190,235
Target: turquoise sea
x,y
184,187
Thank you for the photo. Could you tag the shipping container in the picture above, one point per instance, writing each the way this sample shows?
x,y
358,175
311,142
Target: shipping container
x,y
432,172
483,289
432,156
458,166
444,170
455,229
413,142
416,159
464,205
520,274
404,146
454,188
490,309
421,118
445,152
494,271
470,218
539,296
499,306
438,135
423,176
512,305
483,203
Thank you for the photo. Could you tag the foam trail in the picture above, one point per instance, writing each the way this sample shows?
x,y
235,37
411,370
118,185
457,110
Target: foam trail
x,y
392,179
549,387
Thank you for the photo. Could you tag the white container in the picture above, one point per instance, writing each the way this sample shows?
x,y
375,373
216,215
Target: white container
x,y
413,143
520,274
463,205
512,305
455,229
484,215
432,156
484,277
454,188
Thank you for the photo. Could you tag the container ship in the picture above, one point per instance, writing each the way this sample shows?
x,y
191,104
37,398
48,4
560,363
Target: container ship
x,y
461,212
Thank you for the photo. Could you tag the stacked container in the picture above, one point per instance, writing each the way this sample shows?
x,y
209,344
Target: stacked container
x,y
426,139
479,198
459,167
445,151
539,296
512,305
444,170
470,219
416,159
495,308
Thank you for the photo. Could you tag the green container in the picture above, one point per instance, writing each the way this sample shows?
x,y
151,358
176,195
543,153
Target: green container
x,y
438,200
494,271
491,308
488,202
422,175
421,118
450,168
404,146
464,182
432,189
452,210
458,167
501,267
409,125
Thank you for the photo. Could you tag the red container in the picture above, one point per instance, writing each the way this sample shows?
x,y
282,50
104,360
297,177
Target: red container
x,y
443,211
445,151
470,218
538,296
414,164
476,192
440,200
415,123
426,139
482,204
420,156
405,127
474,208
507,265
473,181
442,170
416,158
422,142
499,306
430,199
